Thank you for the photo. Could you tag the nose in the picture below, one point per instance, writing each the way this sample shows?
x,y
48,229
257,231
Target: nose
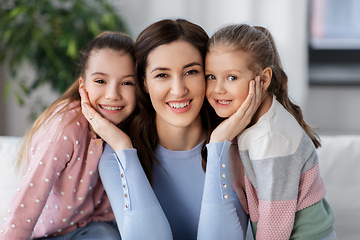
x,y
178,87
219,87
112,93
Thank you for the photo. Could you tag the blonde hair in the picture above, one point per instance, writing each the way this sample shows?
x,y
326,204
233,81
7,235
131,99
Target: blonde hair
x,y
107,40
258,43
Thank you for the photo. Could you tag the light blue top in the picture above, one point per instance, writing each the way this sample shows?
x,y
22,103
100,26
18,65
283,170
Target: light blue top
x,y
184,203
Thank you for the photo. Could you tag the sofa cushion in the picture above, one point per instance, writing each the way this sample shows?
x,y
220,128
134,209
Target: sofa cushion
x,y
9,178
340,169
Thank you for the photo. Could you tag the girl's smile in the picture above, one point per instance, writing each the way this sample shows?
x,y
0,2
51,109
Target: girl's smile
x,y
228,79
111,109
109,81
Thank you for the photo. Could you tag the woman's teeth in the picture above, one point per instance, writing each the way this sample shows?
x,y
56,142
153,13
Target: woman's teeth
x,y
111,108
179,105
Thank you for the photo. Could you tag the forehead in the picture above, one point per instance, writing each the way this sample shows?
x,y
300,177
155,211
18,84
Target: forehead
x,y
221,53
174,53
110,62
99,53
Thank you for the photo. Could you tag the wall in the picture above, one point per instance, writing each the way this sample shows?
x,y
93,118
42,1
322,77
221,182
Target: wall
x,y
333,109
286,20
14,118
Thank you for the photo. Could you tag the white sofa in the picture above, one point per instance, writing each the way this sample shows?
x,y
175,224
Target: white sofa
x,y
339,165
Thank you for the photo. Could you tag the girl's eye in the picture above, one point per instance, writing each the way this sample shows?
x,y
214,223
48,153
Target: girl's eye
x,y
161,75
210,77
128,83
190,72
100,81
232,78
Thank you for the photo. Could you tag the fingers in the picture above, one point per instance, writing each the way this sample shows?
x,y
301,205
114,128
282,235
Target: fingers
x,y
258,91
88,112
114,136
253,99
236,123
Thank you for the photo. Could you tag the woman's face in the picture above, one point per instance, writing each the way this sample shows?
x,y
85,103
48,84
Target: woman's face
x,y
175,82
109,81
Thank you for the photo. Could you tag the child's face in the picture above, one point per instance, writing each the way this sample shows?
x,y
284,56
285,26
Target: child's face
x,y
109,81
227,77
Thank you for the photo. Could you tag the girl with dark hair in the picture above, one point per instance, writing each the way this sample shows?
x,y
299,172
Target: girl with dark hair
x,y
284,189
157,188
61,195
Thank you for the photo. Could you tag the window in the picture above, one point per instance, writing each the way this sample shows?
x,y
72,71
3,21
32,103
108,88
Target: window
x,y
334,42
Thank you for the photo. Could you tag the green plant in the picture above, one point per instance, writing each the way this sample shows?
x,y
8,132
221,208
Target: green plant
x,y
49,35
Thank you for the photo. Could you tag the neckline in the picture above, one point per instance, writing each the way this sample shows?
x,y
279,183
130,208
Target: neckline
x,y
166,153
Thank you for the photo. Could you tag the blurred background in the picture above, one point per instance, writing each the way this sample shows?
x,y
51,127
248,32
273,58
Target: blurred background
x,y
318,41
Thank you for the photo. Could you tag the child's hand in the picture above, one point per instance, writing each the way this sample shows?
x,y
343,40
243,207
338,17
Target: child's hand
x,y
237,122
111,134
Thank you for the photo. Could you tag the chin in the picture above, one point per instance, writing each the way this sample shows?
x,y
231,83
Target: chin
x,y
223,115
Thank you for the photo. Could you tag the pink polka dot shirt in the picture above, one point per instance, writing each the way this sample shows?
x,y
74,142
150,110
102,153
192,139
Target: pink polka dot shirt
x,y
61,189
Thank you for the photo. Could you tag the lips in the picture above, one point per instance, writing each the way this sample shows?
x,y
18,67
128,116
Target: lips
x,y
179,105
111,108
224,102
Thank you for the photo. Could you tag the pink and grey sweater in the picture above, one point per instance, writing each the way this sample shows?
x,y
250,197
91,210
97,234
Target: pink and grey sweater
x,y
61,189
283,184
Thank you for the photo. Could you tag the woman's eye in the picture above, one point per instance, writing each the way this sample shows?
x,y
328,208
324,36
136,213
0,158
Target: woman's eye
x,y
193,71
232,78
161,75
210,77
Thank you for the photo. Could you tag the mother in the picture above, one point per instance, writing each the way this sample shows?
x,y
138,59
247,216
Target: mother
x,y
171,196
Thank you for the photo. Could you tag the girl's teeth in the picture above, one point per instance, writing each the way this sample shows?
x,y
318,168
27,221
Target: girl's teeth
x,y
111,108
224,101
179,105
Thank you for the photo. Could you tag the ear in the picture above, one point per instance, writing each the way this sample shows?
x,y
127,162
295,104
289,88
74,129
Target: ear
x,y
81,83
266,75
145,87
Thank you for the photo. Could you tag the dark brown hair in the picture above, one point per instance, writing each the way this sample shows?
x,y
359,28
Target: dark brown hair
x,y
116,41
259,44
160,33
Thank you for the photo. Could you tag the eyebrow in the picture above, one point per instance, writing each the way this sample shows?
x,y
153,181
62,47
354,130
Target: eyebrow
x,y
99,73
186,66
130,75
104,74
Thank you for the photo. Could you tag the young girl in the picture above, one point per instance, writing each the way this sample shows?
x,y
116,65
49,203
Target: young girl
x,y
164,191
61,195
284,189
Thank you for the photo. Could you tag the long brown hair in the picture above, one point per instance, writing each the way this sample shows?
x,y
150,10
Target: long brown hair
x,y
259,44
116,41
160,33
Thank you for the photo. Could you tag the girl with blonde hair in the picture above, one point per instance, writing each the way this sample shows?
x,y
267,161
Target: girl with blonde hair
x,y
285,193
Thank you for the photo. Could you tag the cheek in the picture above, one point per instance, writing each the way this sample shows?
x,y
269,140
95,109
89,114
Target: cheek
x,y
199,87
157,91
93,96
129,95
241,94
209,89
133,100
